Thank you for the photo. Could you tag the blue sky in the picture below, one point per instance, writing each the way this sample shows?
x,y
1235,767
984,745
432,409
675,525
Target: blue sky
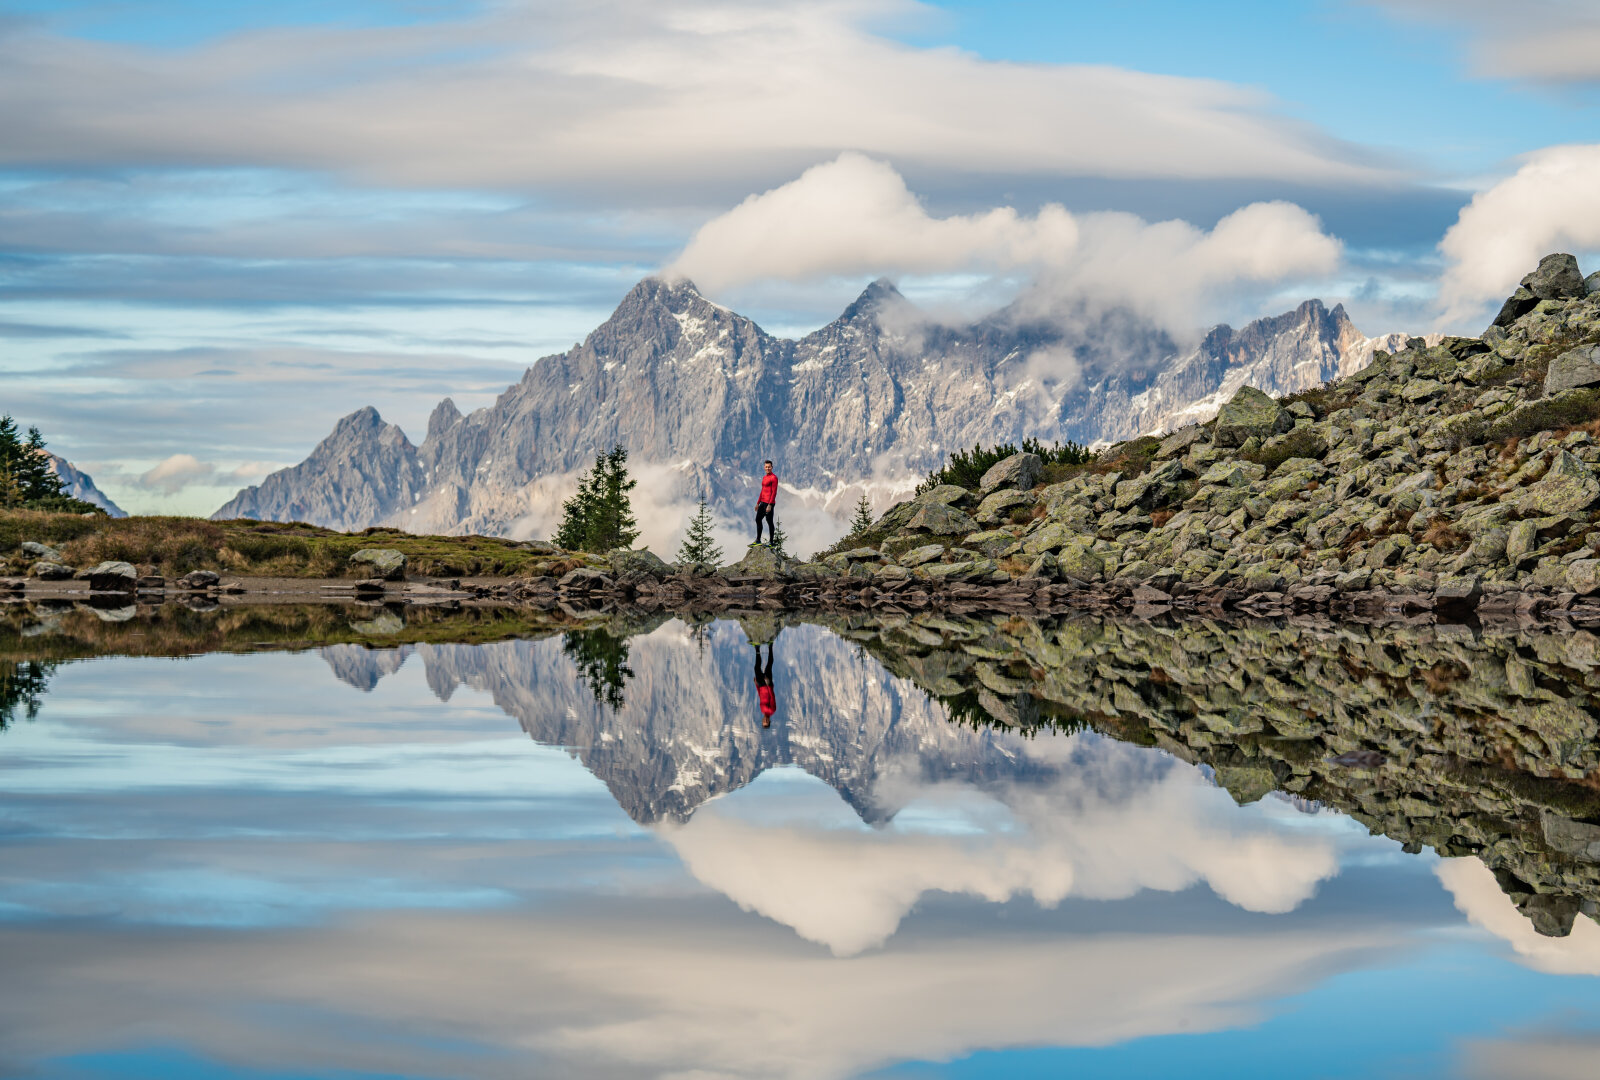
x,y
223,226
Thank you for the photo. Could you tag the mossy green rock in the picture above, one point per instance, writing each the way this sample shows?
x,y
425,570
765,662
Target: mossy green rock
x,y
1568,487
1250,414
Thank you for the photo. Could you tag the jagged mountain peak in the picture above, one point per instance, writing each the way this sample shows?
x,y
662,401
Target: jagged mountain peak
x,y
445,416
874,298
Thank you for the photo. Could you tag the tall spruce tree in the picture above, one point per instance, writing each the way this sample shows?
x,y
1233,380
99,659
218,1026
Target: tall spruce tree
x,y
698,548
599,516
26,477
863,518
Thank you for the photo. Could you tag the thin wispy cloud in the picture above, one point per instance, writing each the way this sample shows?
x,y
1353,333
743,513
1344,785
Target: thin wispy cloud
x,y
633,96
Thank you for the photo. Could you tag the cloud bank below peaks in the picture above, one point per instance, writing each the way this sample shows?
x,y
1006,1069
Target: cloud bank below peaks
x,y
855,216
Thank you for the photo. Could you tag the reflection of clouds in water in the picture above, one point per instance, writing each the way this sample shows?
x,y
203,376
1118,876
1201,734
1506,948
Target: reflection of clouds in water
x,y
1116,820
1479,897
1541,1055
638,988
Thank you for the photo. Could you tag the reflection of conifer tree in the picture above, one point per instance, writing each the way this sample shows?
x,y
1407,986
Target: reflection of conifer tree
x,y
22,685
602,661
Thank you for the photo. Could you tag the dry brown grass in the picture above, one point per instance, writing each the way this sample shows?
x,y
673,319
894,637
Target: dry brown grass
x,y
172,546
1442,536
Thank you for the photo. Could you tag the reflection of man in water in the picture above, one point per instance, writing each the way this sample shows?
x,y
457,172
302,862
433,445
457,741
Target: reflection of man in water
x,y
769,700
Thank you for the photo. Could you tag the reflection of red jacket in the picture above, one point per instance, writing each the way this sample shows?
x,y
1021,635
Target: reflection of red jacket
x,y
769,700
769,488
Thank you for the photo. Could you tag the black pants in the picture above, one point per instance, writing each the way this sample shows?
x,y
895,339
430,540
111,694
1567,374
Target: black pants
x,y
764,512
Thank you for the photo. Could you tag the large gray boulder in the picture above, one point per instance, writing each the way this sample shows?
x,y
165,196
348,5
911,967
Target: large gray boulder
x,y
941,520
111,577
199,579
37,550
1573,368
45,570
943,495
642,561
761,561
1567,487
385,563
1557,278
1250,413
1018,471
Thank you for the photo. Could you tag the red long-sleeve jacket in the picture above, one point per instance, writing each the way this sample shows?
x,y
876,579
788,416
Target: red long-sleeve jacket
x,y
769,488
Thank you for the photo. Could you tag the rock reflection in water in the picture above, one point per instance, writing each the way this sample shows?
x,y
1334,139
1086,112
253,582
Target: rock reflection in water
x,y
1472,743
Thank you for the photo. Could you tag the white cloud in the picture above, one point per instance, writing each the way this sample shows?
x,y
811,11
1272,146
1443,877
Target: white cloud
x,y
635,95
1546,41
855,216
1551,203
176,473
1108,827
1480,898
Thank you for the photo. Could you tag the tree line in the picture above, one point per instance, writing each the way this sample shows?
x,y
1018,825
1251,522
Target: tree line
x,y
27,480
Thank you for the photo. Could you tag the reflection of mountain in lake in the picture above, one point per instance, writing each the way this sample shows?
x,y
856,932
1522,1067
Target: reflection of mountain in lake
x,y
690,726
1469,742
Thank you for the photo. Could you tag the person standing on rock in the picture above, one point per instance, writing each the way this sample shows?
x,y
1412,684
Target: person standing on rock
x,y
768,499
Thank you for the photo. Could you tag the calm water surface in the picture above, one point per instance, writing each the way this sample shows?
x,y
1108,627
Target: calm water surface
x,y
586,856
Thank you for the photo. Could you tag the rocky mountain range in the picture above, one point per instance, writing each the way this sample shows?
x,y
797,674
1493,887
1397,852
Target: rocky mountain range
x,y
869,403
81,486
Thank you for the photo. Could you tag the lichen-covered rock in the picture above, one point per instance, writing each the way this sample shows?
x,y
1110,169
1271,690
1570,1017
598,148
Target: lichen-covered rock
x,y
1573,368
36,550
637,561
925,554
45,570
941,520
384,563
943,495
761,561
1583,576
199,579
998,506
1249,414
1018,471
1076,559
1568,486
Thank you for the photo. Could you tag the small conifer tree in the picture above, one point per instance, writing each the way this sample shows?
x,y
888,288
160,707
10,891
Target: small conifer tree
x,y
698,547
779,538
599,516
863,517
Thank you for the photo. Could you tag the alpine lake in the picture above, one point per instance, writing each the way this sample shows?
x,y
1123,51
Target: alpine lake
x,y
358,841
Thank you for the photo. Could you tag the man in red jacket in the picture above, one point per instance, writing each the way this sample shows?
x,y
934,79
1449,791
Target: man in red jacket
x,y
768,499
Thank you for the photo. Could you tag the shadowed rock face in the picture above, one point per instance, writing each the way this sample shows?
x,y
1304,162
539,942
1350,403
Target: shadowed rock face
x,y
680,381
